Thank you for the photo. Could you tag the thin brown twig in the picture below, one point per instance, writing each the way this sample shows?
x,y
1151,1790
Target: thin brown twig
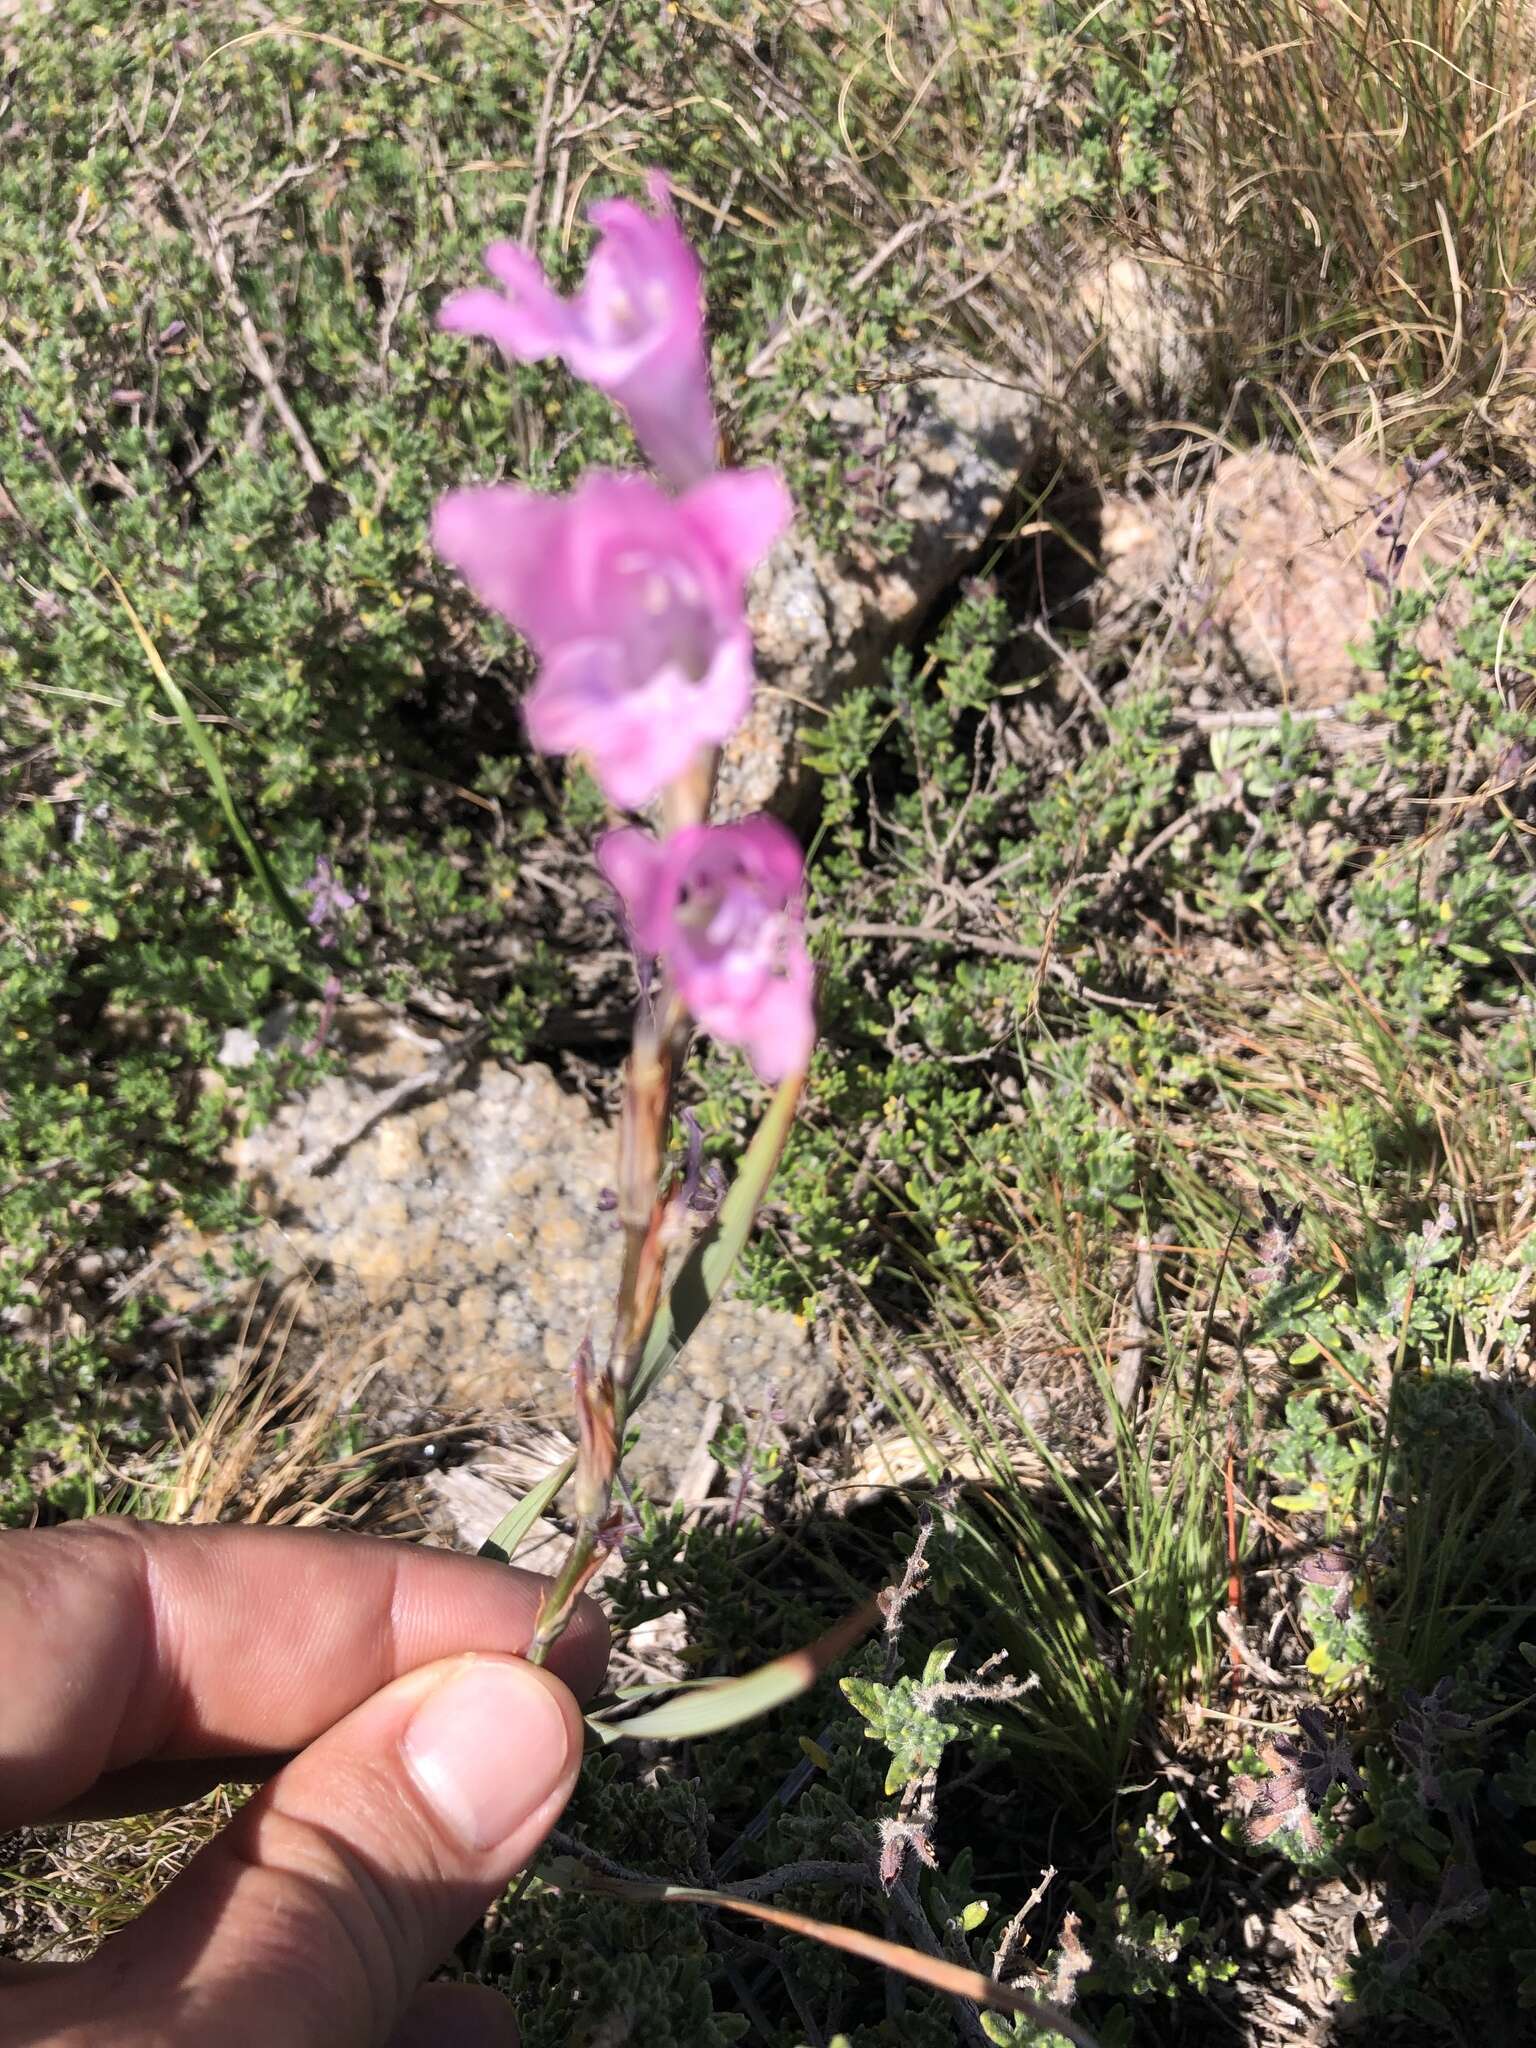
x,y
216,251
554,80
260,201
1141,1323
1005,1958
893,1601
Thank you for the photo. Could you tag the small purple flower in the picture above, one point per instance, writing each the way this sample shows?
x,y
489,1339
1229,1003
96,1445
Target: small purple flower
x,y
329,901
634,602
720,905
633,328
1392,522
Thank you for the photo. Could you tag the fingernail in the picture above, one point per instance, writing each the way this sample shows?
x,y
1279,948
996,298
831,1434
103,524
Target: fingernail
x,y
487,1747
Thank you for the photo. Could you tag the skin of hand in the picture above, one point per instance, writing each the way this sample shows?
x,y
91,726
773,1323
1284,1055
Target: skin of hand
x,y
414,1762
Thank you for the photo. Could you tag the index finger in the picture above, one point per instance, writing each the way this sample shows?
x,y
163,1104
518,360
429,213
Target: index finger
x,y
127,1641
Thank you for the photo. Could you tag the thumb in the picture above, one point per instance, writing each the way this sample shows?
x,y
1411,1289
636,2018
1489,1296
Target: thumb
x,y
313,1918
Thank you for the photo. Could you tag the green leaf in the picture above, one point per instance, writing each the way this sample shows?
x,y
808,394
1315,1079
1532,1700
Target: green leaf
x,y
261,868
1312,1502
713,1708
1419,1858
708,1266
512,1530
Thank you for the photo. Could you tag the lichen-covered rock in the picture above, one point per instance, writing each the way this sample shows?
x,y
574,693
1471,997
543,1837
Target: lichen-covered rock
x,y
942,456
462,1239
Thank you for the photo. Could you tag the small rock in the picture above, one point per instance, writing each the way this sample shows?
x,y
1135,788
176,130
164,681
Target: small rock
x,y
1288,546
943,460
239,1048
1138,546
464,1238
1146,326
397,1153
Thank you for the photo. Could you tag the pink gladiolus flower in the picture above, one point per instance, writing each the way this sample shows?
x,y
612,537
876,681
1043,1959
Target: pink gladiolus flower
x,y
720,904
633,602
634,327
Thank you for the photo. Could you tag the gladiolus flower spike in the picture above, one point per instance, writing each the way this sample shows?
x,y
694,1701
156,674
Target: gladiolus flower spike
x,y
632,596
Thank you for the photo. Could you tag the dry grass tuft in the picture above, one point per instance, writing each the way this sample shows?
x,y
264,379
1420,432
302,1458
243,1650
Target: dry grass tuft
x,y
1358,186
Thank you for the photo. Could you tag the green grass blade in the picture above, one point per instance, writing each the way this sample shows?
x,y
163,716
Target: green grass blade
x,y
708,1266
512,1530
709,1710
262,871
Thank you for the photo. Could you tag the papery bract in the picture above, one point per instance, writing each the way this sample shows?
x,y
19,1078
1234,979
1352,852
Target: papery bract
x,y
633,601
634,327
720,905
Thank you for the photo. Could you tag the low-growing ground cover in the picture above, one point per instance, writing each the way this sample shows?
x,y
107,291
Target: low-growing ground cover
x,y
1166,1178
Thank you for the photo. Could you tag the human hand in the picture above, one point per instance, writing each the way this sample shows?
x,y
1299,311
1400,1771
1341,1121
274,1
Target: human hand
x,y
143,1664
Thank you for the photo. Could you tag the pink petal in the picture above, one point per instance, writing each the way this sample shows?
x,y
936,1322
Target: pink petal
x,y
521,276
664,387
527,319
634,863
614,358
639,755
653,247
577,576
675,423
773,850
509,546
482,312
780,1033
574,697
740,513
576,707
711,709
634,328
610,515
774,1019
